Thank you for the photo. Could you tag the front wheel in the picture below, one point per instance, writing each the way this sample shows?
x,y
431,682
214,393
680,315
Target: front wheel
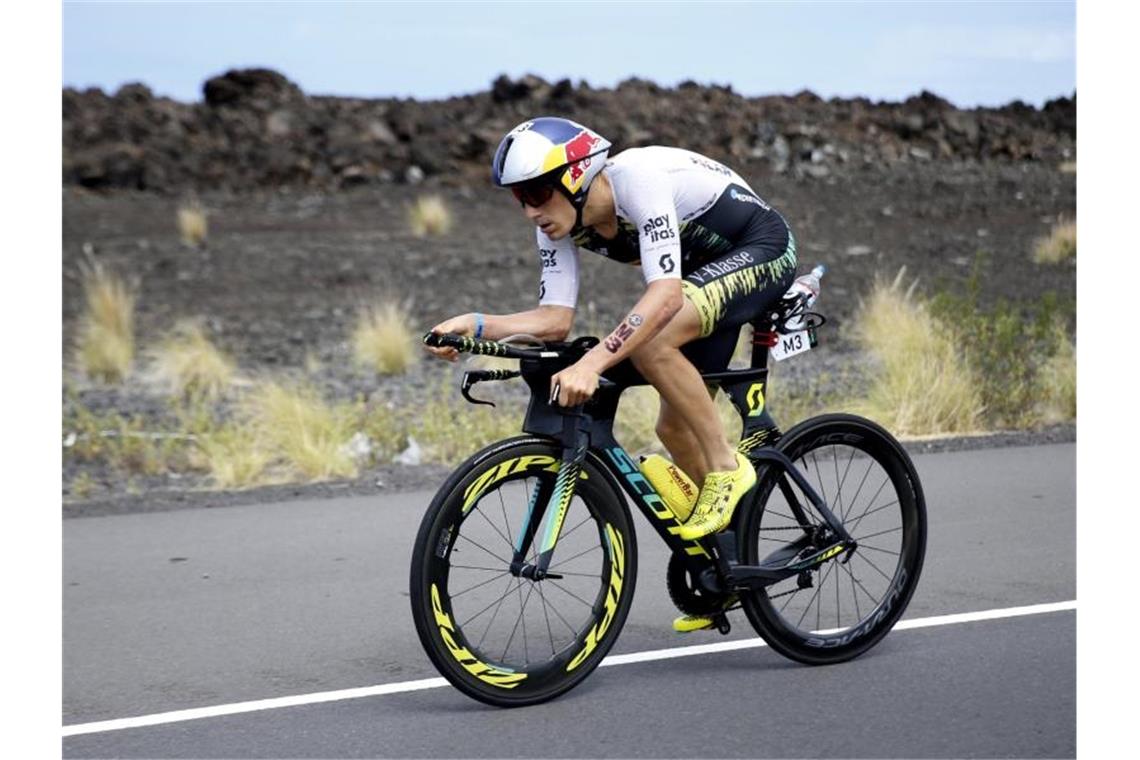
x,y
507,640
843,607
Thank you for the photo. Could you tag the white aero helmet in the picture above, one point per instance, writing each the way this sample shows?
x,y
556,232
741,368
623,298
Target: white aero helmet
x,y
554,151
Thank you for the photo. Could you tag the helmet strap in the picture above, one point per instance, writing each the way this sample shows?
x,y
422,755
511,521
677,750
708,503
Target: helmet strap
x,y
578,203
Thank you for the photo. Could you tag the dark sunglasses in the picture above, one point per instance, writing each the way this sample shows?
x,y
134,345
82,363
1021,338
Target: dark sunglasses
x,y
533,194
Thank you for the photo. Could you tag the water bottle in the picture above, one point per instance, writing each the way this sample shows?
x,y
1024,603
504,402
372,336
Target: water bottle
x,y
804,292
675,488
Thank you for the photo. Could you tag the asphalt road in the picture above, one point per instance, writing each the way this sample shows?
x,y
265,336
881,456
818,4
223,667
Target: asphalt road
x,y
198,608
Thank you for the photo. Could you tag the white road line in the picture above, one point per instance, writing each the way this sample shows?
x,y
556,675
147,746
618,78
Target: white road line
x,y
197,713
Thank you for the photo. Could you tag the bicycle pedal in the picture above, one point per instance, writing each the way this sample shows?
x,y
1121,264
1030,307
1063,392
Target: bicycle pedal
x,y
720,620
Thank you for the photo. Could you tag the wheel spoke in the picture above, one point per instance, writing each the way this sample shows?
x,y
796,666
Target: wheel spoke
x,y
481,583
493,526
873,511
506,520
819,478
862,482
546,615
812,600
880,533
838,606
838,482
516,627
877,549
589,517
484,548
854,592
839,488
873,565
576,556
791,596
494,615
867,511
557,614
859,583
565,590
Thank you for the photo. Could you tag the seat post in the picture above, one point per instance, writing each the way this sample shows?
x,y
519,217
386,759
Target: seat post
x,y
759,346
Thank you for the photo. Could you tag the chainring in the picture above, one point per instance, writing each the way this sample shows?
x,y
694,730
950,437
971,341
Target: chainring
x,y
690,599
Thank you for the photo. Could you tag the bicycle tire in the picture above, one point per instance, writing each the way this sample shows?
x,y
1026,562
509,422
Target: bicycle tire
x,y
448,618
844,443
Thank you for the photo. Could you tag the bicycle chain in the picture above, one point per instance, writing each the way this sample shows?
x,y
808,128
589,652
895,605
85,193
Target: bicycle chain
x,y
784,593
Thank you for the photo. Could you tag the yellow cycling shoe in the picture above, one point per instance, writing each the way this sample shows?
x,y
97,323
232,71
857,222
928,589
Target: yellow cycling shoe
x,y
718,499
690,623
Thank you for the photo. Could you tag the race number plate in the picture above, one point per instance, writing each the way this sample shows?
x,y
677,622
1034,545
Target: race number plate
x,y
792,344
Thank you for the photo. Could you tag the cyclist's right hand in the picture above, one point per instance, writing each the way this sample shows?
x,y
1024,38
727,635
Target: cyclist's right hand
x,y
464,324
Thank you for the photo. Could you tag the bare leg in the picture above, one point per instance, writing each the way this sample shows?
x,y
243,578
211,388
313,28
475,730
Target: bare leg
x,y
681,444
683,392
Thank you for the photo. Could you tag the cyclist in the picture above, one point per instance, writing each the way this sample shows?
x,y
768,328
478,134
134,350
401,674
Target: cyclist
x,y
713,255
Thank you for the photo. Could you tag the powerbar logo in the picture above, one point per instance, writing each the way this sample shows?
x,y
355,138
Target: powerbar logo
x,y
648,494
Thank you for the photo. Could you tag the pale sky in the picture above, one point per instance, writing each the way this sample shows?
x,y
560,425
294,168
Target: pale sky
x,y
972,53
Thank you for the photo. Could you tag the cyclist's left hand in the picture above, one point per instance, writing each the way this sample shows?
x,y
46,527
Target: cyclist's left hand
x,y
576,384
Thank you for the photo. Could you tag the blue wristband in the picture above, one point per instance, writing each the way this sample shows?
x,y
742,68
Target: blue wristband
x,y
478,325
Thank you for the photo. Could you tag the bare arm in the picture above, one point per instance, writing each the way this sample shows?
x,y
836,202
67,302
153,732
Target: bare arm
x,y
544,322
660,302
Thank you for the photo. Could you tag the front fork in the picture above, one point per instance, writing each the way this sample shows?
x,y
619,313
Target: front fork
x,y
551,501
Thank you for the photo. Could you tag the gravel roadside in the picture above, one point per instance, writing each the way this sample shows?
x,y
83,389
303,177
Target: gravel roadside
x,y
390,479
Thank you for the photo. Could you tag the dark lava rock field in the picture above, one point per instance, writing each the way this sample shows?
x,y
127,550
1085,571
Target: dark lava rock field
x,y
308,197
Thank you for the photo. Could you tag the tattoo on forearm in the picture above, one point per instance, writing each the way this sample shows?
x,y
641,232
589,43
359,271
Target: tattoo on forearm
x,y
619,336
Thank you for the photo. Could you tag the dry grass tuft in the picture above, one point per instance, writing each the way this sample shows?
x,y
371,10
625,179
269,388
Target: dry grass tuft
x,y
383,340
188,363
106,329
193,225
235,457
299,427
1057,382
429,216
1060,245
448,429
922,385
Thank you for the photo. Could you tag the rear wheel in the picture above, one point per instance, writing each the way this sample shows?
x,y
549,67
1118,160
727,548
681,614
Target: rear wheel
x,y
506,640
843,607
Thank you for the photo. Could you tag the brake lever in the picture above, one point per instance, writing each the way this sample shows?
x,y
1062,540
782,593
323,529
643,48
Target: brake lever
x,y
465,389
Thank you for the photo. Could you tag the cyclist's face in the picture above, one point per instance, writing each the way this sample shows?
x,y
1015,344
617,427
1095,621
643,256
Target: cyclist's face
x,y
549,209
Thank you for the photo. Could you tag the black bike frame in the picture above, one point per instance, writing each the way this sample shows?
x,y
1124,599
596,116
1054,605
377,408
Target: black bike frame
x,y
588,431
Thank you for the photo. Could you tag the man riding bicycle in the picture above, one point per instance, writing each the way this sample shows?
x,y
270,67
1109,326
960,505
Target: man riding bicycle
x,y
713,254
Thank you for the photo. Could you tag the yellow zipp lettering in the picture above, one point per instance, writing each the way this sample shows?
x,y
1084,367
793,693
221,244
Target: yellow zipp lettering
x,y
462,655
497,472
613,595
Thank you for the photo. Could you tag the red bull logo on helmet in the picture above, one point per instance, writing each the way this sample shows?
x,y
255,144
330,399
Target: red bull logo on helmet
x,y
575,172
581,146
577,153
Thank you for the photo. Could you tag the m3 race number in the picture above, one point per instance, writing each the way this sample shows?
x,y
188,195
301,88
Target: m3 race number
x,y
790,345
